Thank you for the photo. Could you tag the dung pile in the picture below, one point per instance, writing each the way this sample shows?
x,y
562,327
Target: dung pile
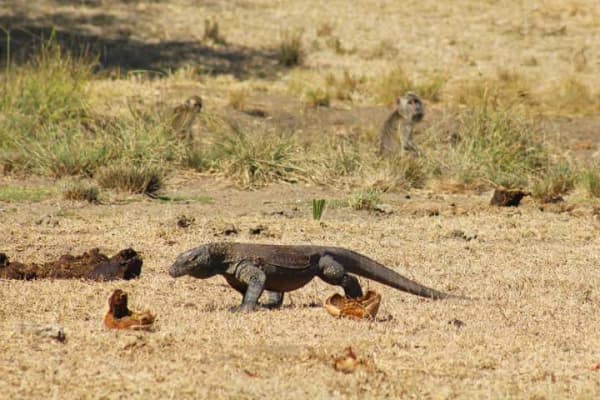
x,y
93,265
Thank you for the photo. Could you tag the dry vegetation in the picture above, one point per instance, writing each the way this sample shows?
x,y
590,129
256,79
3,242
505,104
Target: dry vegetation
x,y
291,110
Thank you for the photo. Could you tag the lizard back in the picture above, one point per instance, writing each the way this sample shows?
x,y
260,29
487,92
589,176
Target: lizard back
x,y
281,256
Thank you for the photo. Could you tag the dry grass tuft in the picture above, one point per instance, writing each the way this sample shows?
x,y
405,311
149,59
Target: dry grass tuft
x,y
317,97
335,44
212,32
142,179
571,96
81,191
290,51
238,98
397,82
325,29
507,90
344,87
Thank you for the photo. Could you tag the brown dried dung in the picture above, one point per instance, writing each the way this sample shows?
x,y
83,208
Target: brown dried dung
x,y
121,317
365,307
126,264
508,197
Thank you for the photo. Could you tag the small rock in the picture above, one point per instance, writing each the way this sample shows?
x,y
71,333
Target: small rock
x,y
458,234
457,323
257,230
183,221
432,212
257,112
454,138
227,230
346,363
384,208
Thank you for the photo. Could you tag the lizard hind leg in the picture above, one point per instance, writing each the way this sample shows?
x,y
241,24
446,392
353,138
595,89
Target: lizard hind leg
x,y
334,273
273,299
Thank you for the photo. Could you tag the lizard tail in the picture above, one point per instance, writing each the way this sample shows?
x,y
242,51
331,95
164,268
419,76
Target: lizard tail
x,y
361,265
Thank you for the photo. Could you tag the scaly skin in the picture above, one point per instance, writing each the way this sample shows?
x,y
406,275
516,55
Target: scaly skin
x,y
253,268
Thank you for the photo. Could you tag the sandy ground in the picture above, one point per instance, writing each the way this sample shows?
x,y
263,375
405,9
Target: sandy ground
x,y
532,331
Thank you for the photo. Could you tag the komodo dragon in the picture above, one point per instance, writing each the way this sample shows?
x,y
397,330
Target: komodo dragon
x,y
253,268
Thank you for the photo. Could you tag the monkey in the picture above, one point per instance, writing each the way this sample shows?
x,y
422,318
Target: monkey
x,y
183,117
409,108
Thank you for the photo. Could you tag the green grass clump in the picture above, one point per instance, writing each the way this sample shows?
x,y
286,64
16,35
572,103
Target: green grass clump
x,y
255,158
497,147
42,105
365,200
318,206
60,151
81,192
144,140
50,89
343,156
143,179
47,127
589,181
72,149
555,182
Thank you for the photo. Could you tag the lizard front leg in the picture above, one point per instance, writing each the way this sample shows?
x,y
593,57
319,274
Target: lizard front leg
x,y
253,278
334,273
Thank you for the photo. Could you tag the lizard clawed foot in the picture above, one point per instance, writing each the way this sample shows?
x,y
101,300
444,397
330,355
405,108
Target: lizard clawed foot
x,y
242,309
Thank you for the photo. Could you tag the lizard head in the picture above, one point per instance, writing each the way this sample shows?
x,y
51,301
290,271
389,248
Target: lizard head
x,y
195,262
